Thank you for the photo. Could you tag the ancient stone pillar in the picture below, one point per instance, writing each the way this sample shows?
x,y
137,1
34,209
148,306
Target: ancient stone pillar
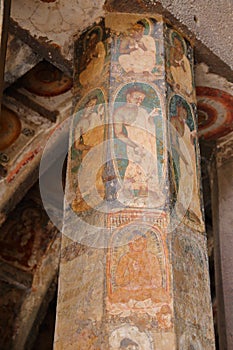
x,y
222,199
134,272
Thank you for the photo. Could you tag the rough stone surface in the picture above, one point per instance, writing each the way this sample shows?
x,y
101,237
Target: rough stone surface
x,y
222,208
210,21
11,301
191,290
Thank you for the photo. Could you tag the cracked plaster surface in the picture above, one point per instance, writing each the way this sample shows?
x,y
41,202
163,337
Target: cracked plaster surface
x,y
57,21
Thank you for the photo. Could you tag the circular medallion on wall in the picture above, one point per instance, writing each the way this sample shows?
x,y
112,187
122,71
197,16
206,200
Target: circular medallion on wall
x,y
215,112
10,128
46,80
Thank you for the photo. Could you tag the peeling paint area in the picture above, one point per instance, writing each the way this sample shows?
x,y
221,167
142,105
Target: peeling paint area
x,y
56,21
191,290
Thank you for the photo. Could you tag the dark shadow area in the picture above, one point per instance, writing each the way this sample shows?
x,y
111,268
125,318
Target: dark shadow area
x,y
206,149
45,336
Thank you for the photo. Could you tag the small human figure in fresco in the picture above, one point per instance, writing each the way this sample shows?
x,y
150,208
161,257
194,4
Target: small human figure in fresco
x,y
179,126
91,119
180,68
138,273
128,344
89,132
95,59
137,51
136,151
183,138
164,317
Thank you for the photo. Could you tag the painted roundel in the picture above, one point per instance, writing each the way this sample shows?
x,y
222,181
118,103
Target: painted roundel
x,y
10,128
215,112
46,80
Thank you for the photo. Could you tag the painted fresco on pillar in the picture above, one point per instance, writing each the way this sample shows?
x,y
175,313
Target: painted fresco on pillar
x,y
138,52
189,247
138,273
179,63
92,57
87,151
189,341
184,163
130,337
138,146
26,236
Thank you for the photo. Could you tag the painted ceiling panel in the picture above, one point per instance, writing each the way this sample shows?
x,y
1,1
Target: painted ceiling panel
x,y
56,21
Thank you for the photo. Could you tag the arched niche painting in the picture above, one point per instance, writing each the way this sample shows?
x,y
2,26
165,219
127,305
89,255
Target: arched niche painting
x,y
87,152
179,65
92,57
138,51
138,145
183,152
137,270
